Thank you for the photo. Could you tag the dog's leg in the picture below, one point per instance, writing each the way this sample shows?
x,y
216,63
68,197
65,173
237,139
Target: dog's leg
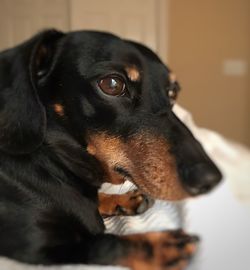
x,y
130,203
170,250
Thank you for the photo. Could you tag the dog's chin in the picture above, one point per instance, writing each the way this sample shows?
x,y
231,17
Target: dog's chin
x,y
170,195
169,189
165,192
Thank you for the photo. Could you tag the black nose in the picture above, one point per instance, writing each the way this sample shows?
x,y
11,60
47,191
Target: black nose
x,y
201,178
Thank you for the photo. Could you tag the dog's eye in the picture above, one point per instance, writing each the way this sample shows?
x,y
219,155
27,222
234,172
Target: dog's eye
x,y
172,91
112,85
172,94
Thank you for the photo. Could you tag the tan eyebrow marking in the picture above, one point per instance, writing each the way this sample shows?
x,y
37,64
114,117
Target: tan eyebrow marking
x,y
133,73
172,77
58,108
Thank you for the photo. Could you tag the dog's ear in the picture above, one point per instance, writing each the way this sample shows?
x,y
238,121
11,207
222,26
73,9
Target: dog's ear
x,y
22,116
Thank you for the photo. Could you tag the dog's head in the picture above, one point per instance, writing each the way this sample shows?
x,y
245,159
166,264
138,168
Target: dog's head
x,y
114,98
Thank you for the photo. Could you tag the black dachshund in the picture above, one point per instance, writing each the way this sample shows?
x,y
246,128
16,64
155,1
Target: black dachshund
x,y
77,110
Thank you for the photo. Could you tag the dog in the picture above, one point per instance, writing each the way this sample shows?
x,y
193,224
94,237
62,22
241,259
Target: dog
x,y
77,110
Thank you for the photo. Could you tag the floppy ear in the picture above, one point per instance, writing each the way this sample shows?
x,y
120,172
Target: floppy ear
x,y
22,116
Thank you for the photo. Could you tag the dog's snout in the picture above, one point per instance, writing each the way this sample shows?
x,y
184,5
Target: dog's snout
x,y
201,178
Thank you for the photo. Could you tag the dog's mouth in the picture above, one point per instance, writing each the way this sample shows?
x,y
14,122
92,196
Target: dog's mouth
x,y
123,172
143,159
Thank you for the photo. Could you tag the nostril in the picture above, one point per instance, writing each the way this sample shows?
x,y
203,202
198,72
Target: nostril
x,y
202,178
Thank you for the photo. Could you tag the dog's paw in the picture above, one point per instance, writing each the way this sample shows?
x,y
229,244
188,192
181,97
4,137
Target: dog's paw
x,y
133,203
127,204
171,250
175,250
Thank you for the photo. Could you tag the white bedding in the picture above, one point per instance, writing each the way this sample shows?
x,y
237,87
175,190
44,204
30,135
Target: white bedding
x,y
231,158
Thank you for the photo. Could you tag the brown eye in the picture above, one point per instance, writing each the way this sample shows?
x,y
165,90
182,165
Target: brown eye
x,y
113,86
173,91
172,94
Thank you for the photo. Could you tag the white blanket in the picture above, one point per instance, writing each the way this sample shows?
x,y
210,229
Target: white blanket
x,y
231,158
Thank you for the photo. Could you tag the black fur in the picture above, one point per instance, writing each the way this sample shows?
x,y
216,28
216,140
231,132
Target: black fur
x,y
48,181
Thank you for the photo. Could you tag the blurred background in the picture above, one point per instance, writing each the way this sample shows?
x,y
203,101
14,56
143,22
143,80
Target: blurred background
x,y
205,42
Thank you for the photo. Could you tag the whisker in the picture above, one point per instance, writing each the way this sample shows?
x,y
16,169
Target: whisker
x,y
120,189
